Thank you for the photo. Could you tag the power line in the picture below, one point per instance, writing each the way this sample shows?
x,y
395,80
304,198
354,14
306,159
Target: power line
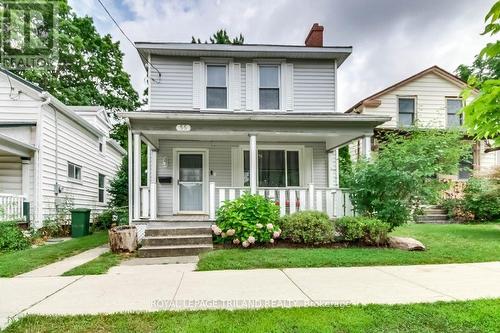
x,y
130,41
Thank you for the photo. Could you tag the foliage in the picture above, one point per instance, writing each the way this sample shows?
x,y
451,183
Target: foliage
x,y
118,187
12,237
221,37
404,173
99,265
345,166
455,209
52,228
308,227
369,231
247,220
89,67
482,198
482,116
107,218
482,68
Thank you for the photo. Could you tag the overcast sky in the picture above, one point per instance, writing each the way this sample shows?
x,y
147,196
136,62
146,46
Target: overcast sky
x,y
391,39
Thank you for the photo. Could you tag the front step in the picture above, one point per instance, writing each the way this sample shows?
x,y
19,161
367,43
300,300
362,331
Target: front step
x,y
173,250
433,217
173,231
177,240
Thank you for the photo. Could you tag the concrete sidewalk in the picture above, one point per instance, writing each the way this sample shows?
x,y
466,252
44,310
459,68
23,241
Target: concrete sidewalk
x,y
176,287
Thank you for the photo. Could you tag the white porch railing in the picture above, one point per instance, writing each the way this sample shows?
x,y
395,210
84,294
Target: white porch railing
x,y
11,207
333,201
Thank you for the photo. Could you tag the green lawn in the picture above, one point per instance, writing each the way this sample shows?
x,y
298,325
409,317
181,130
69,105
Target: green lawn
x,y
452,243
15,263
471,316
99,265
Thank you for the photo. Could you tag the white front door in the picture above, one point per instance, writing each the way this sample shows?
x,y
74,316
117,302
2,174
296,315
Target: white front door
x,y
191,181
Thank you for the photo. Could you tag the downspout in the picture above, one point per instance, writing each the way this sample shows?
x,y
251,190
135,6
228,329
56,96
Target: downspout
x,y
38,215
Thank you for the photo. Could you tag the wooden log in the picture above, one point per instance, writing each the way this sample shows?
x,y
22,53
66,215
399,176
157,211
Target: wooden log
x,y
123,239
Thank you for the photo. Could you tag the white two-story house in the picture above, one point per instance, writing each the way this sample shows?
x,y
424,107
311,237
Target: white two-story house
x,y
225,119
428,99
53,157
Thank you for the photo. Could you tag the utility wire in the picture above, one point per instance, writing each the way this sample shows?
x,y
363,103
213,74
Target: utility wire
x,y
131,42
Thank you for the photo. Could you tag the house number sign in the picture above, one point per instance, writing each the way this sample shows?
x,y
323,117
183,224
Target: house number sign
x,y
183,128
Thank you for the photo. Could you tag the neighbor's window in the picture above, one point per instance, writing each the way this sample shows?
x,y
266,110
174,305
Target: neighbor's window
x,y
453,106
275,168
466,166
406,107
216,87
269,87
74,171
101,146
100,185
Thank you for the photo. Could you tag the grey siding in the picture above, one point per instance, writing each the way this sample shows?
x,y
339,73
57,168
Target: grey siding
x,y
314,86
220,164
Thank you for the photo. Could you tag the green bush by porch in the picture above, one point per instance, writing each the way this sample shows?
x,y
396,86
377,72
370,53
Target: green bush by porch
x,y
470,316
453,243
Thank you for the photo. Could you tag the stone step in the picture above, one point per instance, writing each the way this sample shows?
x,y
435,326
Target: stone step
x,y
434,211
177,240
434,222
432,217
173,231
173,250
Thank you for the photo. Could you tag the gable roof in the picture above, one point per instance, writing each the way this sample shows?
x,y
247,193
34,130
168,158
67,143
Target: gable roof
x,y
434,69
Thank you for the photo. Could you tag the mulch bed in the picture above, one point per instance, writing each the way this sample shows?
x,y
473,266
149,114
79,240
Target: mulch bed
x,y
290,245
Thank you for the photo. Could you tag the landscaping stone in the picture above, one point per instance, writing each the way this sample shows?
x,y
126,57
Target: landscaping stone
x,y
406,243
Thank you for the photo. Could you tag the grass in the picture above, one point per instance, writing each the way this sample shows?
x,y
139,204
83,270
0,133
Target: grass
x,y
470,316
99,265
452,243
18,262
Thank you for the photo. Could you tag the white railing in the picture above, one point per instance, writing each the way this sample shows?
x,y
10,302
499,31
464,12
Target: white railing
x,y
333,201
11,207
144,201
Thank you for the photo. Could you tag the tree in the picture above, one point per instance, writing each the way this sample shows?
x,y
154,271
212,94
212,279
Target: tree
x,y
482,116
482,69
89,67
118,189
404,173
221,37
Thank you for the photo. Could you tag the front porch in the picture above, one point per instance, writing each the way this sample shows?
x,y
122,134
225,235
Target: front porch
x,y
197,161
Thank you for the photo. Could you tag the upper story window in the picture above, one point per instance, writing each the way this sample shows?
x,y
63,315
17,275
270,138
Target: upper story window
x,y
453,106
74,172
406,107
216,87
269,87
100,185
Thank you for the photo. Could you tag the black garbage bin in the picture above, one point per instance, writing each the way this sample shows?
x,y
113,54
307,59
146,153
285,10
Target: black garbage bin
x,y
80,222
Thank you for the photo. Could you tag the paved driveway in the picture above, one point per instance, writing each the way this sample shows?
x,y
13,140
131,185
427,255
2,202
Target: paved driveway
x,y
176,287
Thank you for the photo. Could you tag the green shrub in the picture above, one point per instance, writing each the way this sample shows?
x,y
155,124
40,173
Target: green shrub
x,y
12,237
369,231
107,218
455,209
247,220
52,227
308,227
482,198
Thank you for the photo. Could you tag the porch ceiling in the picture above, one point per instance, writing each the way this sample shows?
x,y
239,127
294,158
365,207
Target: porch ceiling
x,y
335,129
10,146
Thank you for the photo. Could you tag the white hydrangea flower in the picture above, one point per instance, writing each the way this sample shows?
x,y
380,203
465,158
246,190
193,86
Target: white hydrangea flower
x,y
271,241
251,239
276,234
269,226
223,235
236,241
245,244
259,226
231,232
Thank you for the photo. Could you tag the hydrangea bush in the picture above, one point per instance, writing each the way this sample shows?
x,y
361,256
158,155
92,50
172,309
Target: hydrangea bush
x,y
248,220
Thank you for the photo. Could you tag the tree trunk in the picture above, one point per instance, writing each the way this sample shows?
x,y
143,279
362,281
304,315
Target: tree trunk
x,y
123,239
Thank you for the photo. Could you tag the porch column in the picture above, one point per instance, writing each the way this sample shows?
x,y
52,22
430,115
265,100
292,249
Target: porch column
x,y
25,186
152,184
367,146
253,163
333,168
137,175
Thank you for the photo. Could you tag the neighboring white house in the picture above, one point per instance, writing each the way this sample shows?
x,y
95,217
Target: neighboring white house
x,y
51,155
224,119
428,99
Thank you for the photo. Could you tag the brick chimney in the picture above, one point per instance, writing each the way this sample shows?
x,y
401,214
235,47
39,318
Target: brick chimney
x,y
315,36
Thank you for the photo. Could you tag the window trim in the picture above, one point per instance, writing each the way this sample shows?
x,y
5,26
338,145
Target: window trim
x,y
73,179
217,64
414,110
103,188
448,114
278,66
302,164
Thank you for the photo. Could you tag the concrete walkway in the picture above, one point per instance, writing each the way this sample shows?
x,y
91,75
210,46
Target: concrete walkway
x,y
176,287
60,267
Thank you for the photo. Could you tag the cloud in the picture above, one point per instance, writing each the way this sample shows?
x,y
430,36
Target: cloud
x,y
391,39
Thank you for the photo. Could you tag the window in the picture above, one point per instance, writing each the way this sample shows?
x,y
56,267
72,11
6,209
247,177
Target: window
x,y
269,88
74,171
100,185
466,165
276,168
453,106
406,111
100,146
216,87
